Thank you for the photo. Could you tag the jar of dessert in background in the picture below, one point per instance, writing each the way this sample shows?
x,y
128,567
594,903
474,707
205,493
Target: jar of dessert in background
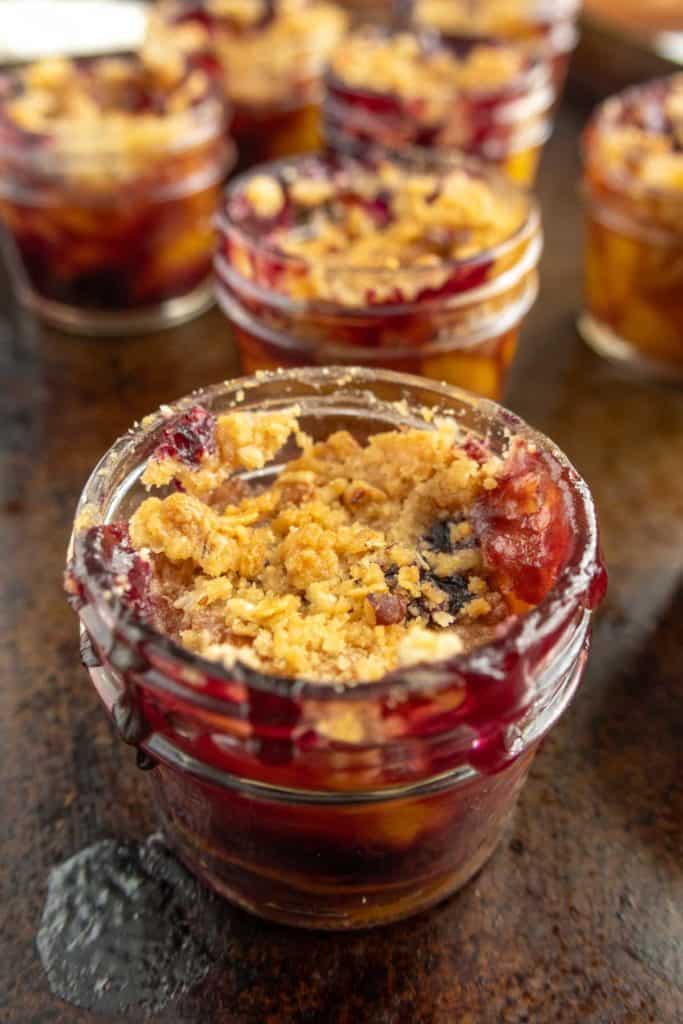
x,y
633,197
462,22
398,91
269,57
110,174
407,265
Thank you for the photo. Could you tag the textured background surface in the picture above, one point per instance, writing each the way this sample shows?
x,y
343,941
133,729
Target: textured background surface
x,y
578,917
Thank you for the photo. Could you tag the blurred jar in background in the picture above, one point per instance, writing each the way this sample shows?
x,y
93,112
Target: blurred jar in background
x,y
269,57
462,21
110,172
412,265
633,189
401,90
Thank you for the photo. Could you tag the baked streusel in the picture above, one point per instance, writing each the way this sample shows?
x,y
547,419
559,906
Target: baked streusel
x,y
356,559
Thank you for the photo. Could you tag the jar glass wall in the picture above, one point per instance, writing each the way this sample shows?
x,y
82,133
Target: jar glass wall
x,y
633,258
109,213
457,323
317,804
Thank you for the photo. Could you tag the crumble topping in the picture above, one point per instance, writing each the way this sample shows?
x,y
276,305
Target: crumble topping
x,y
358,235
486,17
353,560
639,137
427,77
129,105
266,49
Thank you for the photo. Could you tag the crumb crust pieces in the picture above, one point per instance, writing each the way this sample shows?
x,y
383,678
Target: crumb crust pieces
x,y
427,77
130,105
635,141
353,561
359,235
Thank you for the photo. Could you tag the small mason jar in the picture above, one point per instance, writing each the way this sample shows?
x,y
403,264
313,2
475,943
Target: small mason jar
x,y
321,805
458,322
460,22
505,124
633,258
110,220
269,59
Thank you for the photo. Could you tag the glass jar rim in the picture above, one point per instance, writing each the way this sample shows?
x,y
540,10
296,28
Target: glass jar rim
x,y
536,76
528,259
188,128
605,117
579,584
426,161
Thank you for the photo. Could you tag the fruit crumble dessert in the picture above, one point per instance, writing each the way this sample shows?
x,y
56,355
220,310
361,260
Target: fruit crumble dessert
x,y
404,89
462,21
393,263
269,55
355,560
490,18
110,171
337,628
633,159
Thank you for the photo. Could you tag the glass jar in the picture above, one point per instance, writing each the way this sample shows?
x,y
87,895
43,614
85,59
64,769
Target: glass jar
x,y
460,22
507,125
633,259
321,805
464,332
112,228
270,68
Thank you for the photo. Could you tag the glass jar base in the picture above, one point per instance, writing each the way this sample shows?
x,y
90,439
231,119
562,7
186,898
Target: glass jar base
x,y
606,343
334,910
94,323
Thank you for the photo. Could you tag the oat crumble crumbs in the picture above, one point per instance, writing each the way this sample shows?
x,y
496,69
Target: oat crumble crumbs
x,y
354,560
426,77
267,51
487,17
389,231
640,145
130,105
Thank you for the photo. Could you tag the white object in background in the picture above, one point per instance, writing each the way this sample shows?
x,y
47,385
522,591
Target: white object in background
x,y
46,28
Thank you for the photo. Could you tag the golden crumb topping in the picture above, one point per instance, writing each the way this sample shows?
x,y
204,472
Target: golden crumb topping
x,y
428,78
486,17
267,51
639,139
357,236
119,101
351,561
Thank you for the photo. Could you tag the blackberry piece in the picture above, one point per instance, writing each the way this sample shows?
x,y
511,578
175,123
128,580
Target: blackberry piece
x,y
438,537
189,438
454,587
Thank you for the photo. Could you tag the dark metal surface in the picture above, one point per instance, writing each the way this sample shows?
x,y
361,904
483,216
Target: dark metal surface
x,y
579,915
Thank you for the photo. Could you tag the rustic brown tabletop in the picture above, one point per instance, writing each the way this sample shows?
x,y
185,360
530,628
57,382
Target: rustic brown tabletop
x,y
579,915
